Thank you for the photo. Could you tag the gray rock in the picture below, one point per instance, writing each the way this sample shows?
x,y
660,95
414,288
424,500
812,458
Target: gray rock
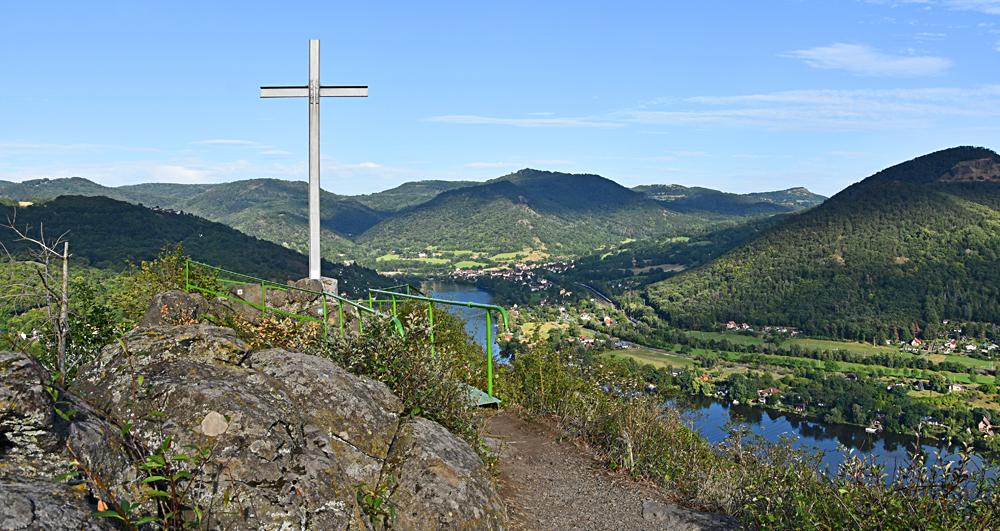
x,y
293,437
32,441
433,468
178,307
27,420
674,517
41,504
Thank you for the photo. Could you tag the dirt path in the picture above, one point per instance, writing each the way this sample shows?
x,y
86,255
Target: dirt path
x,y
549,484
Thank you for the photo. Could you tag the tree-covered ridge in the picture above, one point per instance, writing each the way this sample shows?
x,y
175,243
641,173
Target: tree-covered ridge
x,y
409,194
552,213
270,209
888,257
698,199
563,213
107,233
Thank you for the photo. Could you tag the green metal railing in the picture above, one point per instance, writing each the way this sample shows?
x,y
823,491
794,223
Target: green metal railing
x,y
225,277
216,281
406,294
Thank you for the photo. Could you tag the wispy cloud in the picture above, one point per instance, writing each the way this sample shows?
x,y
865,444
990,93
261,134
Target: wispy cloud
x,y
824,109
989,7
472,119
864,60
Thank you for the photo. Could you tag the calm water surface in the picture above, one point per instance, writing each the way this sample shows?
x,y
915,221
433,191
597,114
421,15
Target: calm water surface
x,y
710,417
475,319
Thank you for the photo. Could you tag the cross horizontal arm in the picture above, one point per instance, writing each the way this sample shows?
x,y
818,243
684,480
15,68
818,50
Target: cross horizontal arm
x,y
360,91
284,92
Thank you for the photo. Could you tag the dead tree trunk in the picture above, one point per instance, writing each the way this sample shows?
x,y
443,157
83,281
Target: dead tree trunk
x,y
63,315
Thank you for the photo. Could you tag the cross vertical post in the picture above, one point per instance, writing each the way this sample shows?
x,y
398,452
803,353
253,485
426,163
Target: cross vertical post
x,y
314,256
314,91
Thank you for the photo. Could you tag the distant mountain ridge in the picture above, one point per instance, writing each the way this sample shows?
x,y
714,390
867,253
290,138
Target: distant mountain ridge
x,y
889,257
695,198
558,212
409,194
566,214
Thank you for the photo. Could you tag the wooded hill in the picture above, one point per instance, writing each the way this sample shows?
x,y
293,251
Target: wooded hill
x,y
698,199
107,233
564,214
891,256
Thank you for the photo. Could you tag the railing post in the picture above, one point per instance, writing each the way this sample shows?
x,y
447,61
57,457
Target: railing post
x,y
394,306
489,355
187,275
326,322
263,300
340,310
430,316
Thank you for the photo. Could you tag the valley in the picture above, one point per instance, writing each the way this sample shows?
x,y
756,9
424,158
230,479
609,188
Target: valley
x,y
434,227
776,310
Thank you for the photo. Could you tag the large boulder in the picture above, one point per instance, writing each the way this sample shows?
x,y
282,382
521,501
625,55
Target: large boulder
x,y
32,450
27,418
292,439
179,307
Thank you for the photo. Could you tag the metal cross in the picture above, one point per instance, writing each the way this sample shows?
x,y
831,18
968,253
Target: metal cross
x,y
314,91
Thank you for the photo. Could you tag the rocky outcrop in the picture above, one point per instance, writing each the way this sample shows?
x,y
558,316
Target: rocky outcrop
x,y
32,442
979,170
43,504
179,307
292,439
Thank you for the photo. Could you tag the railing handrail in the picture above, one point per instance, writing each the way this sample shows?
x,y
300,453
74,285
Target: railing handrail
x,y
468,304
285,287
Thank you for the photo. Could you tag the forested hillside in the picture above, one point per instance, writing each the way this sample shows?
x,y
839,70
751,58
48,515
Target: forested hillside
x,y
559,212
698,199
409,194
107,233
891,256
530,213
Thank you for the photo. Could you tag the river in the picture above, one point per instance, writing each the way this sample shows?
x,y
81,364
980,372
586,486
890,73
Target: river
x,y
475,319
710,417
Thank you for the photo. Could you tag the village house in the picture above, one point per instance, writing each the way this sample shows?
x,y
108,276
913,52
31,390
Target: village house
x,y
770,391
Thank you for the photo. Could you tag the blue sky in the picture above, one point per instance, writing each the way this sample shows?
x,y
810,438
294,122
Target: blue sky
x,y
740,96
